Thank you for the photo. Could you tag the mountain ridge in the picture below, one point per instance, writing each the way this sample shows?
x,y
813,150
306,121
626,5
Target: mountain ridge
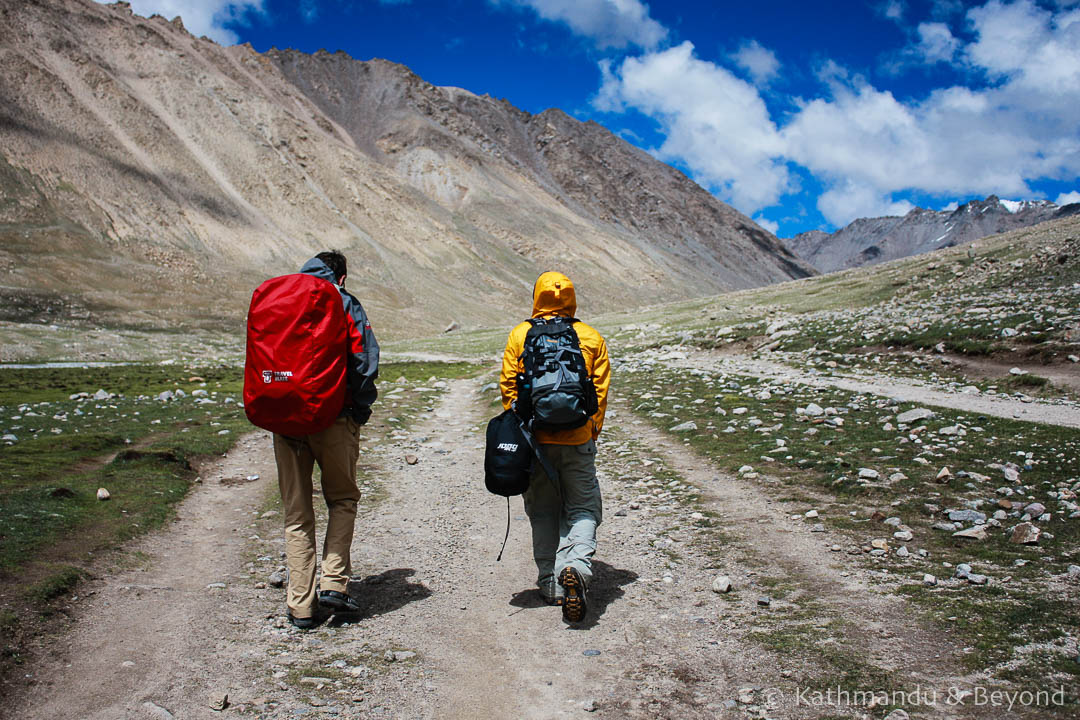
x,y
152,179
867,241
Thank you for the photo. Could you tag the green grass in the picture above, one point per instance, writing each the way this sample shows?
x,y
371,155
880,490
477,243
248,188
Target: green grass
x,y
818,469
138,447
62,581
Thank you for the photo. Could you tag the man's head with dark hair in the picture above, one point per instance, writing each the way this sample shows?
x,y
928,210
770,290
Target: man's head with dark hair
x,y
336,262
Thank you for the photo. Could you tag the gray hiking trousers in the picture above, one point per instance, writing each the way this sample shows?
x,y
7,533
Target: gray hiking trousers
x,y
564,529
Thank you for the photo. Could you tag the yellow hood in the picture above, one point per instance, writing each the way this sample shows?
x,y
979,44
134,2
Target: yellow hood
x,y
553,295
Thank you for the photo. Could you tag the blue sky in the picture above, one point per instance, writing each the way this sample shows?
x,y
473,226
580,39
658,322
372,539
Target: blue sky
x,y
801,115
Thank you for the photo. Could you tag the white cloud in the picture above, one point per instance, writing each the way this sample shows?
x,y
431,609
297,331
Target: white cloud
x,y
773,227
760,62
610,23
936,43
893,9
850,200
1032,48
201,17
715,123
1068,198
863,144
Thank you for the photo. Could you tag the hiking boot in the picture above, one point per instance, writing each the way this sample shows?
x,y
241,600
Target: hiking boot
x,y
307,623
338,601
573,606
550,599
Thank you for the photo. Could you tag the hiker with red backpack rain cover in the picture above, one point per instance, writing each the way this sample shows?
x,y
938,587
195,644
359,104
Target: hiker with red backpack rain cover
x,y
312,362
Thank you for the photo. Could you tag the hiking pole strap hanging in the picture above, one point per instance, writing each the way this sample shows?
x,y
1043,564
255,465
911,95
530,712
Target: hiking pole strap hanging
x,y
552,475
505,537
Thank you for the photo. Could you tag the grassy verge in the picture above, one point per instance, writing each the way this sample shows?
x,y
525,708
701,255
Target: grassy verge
x,y
851,460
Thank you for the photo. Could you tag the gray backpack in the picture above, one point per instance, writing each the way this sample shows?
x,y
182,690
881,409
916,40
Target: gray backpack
x,y
555,389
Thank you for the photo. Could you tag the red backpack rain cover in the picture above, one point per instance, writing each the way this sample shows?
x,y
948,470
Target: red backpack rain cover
x,y
294,377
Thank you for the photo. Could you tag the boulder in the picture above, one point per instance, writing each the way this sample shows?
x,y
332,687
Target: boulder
x,y
911,416
1025,534
977,532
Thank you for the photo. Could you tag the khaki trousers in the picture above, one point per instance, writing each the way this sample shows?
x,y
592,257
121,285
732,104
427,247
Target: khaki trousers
x,y
336,450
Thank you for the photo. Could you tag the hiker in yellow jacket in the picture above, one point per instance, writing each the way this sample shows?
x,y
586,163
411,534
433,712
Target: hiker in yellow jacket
x,y
563,522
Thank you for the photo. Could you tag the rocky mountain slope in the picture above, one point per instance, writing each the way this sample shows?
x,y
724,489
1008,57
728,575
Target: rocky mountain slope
x,y
150,178
872,240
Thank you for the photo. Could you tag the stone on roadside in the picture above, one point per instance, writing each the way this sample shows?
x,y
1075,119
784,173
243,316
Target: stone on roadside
x,y
411,459
721,584
764,601
103,494
943,475
906,418
977,532
1025,534
1035,509
903,535
746,469
156,711
102,395
897,715
967,516
813,410
1017,371
929,580
777,325
684,427
868,474
219,700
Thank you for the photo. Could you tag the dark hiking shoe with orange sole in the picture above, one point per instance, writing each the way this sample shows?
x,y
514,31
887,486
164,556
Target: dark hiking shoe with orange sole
x,y
574,606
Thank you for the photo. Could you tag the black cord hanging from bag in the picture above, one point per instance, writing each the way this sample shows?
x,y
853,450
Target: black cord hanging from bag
x,y
505,537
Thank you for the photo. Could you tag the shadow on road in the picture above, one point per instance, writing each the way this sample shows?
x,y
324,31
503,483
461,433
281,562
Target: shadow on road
x,y
606,588
383,593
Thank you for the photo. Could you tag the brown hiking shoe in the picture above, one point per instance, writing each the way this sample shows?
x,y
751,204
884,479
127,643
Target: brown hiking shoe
x,y
574,606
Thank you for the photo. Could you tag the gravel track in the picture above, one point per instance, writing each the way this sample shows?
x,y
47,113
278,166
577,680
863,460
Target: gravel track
x,y
658,643
902,390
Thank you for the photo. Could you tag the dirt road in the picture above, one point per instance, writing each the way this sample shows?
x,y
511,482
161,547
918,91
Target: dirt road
x,y
449,633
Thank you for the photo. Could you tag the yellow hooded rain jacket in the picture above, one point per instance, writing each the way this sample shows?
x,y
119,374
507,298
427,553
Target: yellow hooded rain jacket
x,y
553,296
